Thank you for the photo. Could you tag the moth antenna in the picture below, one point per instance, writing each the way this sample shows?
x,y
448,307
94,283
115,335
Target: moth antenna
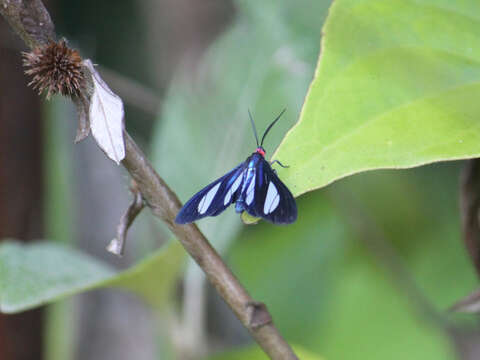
x,y
253,126
270,126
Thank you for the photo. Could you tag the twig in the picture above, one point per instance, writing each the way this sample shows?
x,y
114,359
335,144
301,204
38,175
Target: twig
x,y
31,21
117,245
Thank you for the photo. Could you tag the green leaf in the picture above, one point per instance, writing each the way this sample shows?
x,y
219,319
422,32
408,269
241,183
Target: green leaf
x,y
155,276
397,85
40,273
32,275
255,353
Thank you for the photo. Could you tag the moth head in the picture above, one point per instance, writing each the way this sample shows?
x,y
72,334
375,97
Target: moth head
x,y
260,150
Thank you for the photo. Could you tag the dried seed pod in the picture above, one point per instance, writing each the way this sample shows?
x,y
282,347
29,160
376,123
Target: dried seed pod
x,y
55,69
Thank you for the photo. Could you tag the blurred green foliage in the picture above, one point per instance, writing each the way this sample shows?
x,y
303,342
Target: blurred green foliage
x,y
32,275
255,353
330,292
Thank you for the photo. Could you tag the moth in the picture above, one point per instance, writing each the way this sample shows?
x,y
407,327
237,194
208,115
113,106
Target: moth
x,y
253,186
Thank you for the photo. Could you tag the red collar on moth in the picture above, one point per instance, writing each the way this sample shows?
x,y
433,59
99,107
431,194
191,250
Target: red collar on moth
x,y
260,151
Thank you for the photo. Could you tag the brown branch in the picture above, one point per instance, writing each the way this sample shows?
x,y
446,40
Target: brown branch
x,y
31,21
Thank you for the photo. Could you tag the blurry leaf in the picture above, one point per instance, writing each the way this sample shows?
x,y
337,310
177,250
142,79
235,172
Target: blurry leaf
x,y
106,117
391,90
255,353
33,275
376,321
323,288
263,63
290,268
417,211
155,276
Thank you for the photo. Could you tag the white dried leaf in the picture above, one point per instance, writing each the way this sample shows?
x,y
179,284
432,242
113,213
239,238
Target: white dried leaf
x,y
106,117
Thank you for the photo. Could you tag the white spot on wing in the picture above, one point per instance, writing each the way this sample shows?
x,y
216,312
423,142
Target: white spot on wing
x,y
232,189
272,199
204,204
250,191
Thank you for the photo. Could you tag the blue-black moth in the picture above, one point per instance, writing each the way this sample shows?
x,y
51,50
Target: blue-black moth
x,y
253,186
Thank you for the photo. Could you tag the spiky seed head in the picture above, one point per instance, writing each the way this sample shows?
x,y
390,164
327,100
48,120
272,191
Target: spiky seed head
x,y
55,69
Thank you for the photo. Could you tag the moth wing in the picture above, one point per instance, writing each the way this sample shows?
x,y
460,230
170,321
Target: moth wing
x,y
212,199
272,200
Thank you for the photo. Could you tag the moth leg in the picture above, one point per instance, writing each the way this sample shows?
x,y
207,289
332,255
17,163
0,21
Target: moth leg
x,y
279,163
